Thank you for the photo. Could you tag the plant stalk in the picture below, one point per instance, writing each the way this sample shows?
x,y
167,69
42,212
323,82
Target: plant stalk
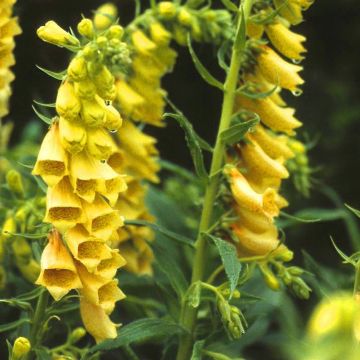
x,y
188,313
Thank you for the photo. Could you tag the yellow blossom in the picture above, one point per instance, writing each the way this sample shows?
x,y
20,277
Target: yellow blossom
x,y
72,136
159,34
67,103
52,33
93,112
20,348
77,69
285,41
278,71
167,9
107,268
96,322
99,144
86,28
142,44
58,272
105,16
52,160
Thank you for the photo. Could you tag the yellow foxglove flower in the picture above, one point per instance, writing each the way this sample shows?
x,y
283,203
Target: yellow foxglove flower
x,y
63,208
278,71
291,10
140,152
93,112
113,120
72,136
52,160
246,197
86,28
253,244
52,33
98,290
275,117
102,220
258,161
67,102
159,34
256,222
142,44
89,250
116,161
77,69
58,272
89,176
253,30
285,41
85,89
96,322
105,16
107,268
100,144
274,145
167,9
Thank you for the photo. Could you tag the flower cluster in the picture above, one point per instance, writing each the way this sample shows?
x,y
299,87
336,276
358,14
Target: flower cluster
x,y
8,29
259,162
75,161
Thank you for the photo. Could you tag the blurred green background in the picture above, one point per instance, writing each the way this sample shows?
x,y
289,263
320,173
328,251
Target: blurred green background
x,y
329,106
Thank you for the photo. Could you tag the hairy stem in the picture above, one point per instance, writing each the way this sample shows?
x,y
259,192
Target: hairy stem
x,y
188,313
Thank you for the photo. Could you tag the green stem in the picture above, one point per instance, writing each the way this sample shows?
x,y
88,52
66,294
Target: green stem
x,y
188,313
37,322
357,280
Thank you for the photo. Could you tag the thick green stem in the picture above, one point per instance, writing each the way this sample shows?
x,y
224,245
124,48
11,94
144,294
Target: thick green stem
x,y
357,281
37,322
188,313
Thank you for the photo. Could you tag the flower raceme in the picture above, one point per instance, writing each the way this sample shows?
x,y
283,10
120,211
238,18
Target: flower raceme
x,y
83,186
260,161
9,28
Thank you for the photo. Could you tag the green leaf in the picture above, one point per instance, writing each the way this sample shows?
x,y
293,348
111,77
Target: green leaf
x,y
204,73
192,143
355,211
197,349
51,105
221,55
24,305
230,5
28,235
140,331
177,170
251,95
9,347
347,259
236,132
240,36
44,118
229,259
303,220
170,234
56,75
30,295
41,183
13,325
170,269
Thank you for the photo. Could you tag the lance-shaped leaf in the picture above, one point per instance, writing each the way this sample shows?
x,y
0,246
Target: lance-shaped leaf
x,y
49,105
197,350
56,75
353,210
140,331
192,143
170,234
255,95
229,259
221,54
202,69
238,130
13,325
230,5
44,118
240,36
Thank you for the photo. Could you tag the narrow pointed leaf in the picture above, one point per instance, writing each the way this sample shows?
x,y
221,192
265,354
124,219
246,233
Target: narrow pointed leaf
x,y
192,143
229,259
13,325
230,5
240,37
256,96
299,219
202,69
353,210
140,331
221,55
197,350
236,132
346,258
56,75
50,105
44,118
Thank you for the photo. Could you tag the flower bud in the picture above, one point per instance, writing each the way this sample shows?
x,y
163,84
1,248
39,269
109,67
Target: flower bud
x,y
86,28
21,348
54,34
72,136
167,9
8,227
77,69
113,119
67,103
285,255
115,32
14,181
102,42
270,279
184,17
159,34
93,112
85,89
22,250
76,335
105,16
300,288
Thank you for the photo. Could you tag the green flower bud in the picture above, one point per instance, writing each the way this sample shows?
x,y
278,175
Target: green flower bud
x,y
184,17
86,28
270,279
102,42
14,181
21,348
300,288
77,334
286,255
77,69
